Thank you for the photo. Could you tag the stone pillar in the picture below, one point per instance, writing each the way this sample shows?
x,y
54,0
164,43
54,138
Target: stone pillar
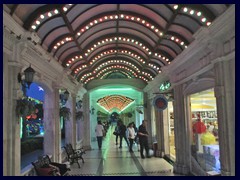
x,y
159,135
74,130
86,124
181,134
70,125
225,98
11,123
147,116
162,132
52,135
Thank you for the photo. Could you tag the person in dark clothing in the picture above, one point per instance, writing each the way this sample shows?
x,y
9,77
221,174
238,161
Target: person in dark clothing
x,y
136,131
122,133
117,131
143,139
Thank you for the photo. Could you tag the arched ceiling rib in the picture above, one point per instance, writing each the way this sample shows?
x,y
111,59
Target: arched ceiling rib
x,y
86,37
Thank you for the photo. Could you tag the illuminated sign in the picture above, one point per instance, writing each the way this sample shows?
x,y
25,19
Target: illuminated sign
x,y
164,86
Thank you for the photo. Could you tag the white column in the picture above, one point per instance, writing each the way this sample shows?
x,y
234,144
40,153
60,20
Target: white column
x,y
52,135
70,125
86,122
181,134
225,97
147,116
11,123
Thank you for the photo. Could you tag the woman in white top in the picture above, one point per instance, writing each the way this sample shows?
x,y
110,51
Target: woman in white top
x,y
99,130
131,136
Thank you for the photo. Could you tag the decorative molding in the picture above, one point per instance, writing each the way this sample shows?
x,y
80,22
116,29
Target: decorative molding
x,y
198,85
8,42
227,57
11,25
15,63
224,24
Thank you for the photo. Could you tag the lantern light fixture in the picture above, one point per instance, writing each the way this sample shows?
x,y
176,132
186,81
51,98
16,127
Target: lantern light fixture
x,y
29,75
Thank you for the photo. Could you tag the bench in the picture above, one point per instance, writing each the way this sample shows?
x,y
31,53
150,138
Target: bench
x,y
74,155
45,167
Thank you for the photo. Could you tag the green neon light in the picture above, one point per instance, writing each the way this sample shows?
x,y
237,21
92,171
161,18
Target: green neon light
x,y
127,106
164,86
116,89
103,108
21,127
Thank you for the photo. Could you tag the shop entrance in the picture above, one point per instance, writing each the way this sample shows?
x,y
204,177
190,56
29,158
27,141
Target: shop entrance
x,y
205,144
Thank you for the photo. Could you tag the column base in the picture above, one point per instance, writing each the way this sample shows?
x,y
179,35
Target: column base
x,y
181,169
226,173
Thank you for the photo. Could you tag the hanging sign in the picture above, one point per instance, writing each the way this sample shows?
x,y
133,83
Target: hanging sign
x,y
160,102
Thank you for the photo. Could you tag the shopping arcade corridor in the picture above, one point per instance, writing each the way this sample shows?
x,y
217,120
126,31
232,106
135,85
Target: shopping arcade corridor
x,y
113,161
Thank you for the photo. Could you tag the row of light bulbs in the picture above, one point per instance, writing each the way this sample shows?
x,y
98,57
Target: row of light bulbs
x,y
115,61
80,68
154,67
195,13
122,16
123,39
49,14
120,51
96,58
85,76
177,40
109,72
114,67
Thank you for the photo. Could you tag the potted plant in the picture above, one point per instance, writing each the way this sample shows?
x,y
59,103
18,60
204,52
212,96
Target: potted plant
x,y
79,115
24,107
65,113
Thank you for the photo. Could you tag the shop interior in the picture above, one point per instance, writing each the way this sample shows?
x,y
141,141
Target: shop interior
x,y
205,145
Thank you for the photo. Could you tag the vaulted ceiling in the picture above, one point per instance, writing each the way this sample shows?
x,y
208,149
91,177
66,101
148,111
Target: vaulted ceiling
x,y
98,41
114,102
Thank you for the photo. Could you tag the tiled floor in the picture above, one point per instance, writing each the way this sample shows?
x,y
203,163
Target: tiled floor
x,y
113,161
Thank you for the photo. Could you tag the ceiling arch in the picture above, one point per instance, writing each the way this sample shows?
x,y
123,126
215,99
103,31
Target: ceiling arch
x,y
83,36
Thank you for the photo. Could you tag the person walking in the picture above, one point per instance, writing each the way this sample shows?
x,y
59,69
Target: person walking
x,y
143,139
99,130
131,136
122,133
117,131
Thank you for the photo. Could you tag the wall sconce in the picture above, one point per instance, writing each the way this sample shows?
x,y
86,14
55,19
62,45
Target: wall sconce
x,y
29,73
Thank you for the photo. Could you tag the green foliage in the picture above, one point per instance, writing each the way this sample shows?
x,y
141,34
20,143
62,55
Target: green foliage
x,y
24,107
65,113
31,145
79,115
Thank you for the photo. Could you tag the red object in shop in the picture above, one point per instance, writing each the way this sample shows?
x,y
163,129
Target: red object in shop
x,y
199,127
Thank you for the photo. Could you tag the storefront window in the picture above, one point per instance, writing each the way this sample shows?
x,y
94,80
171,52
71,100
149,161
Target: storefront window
x,y
205,145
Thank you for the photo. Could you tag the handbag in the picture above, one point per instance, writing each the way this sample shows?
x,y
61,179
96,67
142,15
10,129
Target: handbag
x,y
115,133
